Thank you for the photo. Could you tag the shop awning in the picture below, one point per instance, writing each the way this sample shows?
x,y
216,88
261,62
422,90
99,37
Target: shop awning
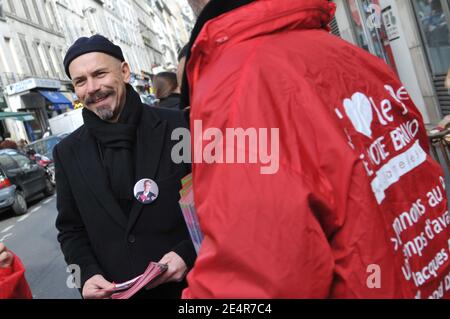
x,y
56,98
19,116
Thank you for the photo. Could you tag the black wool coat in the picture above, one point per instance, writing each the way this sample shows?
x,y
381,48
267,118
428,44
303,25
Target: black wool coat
x,y
95,234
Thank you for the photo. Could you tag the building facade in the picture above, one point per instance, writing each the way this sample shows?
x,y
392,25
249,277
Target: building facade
x,y
32,44
413,37
35,35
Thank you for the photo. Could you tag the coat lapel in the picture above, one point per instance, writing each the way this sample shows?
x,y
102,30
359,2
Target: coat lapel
x,y
94,174
150,143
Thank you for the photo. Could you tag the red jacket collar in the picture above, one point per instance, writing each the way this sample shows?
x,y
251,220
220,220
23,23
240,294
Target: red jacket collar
x,y
225,21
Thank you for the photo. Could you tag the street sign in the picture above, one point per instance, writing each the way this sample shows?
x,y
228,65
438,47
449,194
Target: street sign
x,y
32,83
390,22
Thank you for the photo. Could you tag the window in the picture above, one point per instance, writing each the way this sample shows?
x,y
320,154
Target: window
x,y
49,59
61,55
25,8
50,15
38,56
26,52
435,30
53,14
10,51
45,147
46,15
69,34
370,32
4,65
2,14
7,162
21,160
38,14
55,62
58,61
12,8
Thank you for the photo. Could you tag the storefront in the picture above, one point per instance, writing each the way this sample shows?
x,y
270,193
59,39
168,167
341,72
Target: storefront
x,y
433,20
39,97
370,31
12,117
410,36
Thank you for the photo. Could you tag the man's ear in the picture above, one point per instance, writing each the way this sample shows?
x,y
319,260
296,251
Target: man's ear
x,y
126,72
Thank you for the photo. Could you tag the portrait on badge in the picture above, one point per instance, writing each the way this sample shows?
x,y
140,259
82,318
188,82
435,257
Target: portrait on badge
x,y
146,191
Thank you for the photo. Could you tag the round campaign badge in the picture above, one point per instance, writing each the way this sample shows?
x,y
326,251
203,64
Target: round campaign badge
x,y
146,191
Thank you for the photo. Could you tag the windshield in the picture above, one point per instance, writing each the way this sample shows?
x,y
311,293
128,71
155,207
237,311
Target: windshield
x,y
45,147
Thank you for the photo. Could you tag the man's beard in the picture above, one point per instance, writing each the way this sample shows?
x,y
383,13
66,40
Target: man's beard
x,y
105,113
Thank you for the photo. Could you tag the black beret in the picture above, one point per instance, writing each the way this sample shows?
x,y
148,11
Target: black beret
x,y
96,43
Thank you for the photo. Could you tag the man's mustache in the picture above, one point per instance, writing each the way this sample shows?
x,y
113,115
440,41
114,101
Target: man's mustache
x,y
98,95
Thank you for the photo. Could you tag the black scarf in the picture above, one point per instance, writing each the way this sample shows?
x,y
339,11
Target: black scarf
x,y
117,147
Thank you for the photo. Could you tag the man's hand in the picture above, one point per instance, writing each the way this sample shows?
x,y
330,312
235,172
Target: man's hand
x,y
6,257
175,272
98,287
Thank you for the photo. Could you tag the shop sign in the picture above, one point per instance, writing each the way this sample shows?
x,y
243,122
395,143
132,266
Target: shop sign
x,y
32,83
391,24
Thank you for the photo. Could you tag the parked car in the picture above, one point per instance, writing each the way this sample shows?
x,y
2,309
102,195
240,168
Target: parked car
x,y
41,151
20,179
45,146
148,99
44,162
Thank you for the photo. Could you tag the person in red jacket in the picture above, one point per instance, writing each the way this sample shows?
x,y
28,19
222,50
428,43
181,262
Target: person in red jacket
x,y
354,206
13,284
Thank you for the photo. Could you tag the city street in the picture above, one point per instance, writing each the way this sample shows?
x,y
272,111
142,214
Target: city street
x,y
33,238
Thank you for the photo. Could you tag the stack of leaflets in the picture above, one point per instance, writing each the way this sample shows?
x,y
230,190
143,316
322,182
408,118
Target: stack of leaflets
x,y
127,289
189,213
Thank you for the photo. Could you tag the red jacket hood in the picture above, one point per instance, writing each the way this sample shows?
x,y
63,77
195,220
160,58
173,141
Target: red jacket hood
x,y
260,18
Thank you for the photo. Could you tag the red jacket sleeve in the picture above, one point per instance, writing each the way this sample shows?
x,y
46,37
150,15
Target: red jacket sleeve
x,y
13,284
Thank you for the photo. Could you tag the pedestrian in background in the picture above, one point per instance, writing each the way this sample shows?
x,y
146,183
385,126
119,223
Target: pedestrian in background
x,y
8,144
13,284
167,90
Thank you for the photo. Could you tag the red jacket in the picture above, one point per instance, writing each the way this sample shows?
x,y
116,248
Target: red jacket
x,y
357,208
13,284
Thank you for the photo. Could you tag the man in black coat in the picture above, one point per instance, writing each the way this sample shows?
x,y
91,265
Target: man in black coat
x,y
102,227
